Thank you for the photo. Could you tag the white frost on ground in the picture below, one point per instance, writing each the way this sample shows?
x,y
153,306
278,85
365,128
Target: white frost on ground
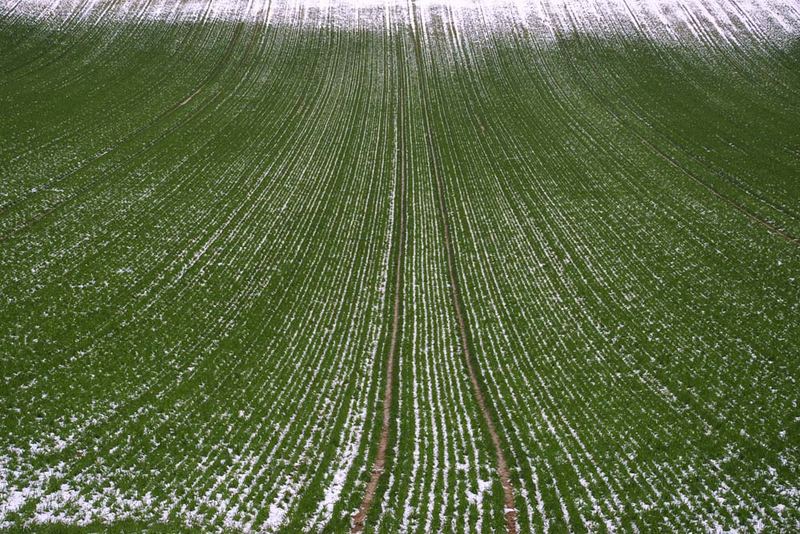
x,y
659,19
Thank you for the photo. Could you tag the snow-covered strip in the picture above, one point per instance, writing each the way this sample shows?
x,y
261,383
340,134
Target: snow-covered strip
x,y
659,19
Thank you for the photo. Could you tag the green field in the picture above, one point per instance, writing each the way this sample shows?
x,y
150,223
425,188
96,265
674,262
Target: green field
x,y
574,242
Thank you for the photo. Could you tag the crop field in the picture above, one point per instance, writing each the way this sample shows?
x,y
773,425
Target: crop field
x,y
436,266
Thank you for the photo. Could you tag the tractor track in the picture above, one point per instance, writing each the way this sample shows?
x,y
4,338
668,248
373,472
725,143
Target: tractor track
x,y
379,465
502,464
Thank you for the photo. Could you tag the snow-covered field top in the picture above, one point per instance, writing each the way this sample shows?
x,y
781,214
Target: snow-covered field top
x,y
662,19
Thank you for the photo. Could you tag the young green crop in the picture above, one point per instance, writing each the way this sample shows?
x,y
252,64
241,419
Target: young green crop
x,y
208,212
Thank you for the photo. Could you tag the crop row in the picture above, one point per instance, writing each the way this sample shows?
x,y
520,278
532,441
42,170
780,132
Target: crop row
x,y
207,210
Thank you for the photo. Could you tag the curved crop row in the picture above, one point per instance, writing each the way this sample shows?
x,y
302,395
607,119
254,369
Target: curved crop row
x,y
294,266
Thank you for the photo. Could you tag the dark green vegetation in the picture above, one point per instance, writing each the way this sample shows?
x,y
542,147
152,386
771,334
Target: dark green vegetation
x,y
197,229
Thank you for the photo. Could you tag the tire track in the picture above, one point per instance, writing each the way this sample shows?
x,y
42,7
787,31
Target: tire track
x,y
359,519
502,466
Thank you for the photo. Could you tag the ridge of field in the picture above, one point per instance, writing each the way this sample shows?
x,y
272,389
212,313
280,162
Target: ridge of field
x,y
200,237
